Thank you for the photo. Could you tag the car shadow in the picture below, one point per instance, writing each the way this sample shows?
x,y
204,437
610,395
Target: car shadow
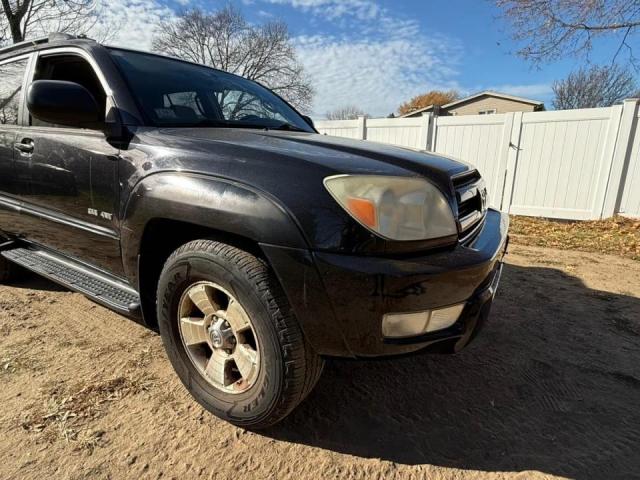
x,y
25,279
552,384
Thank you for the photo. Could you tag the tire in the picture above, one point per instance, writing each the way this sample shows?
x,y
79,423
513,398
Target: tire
x,y
286,368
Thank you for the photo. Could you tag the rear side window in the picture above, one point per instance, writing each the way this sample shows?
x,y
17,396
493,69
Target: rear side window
x,y
11,77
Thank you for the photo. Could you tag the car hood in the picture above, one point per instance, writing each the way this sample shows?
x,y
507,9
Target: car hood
x,y
339,154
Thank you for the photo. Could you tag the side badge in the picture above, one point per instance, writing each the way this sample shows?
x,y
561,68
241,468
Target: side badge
x,y
94,213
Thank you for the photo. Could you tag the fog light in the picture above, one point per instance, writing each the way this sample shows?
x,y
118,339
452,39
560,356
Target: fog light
x,y
444,317
410,324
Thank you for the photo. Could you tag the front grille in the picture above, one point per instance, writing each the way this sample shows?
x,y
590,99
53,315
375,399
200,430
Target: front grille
x,y
471,197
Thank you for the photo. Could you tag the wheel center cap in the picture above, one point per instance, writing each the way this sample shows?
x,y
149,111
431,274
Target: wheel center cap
x,y
216,338
221,335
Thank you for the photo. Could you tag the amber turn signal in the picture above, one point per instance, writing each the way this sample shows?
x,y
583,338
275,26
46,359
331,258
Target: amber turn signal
x,y
363,210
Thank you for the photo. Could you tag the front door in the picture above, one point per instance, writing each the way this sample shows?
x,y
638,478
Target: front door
x,y
12,74
73,176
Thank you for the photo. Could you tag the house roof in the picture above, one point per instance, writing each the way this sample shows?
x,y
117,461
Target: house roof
x,y
473,97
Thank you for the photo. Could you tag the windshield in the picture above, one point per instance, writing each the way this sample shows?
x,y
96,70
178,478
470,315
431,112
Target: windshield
x,y
173,93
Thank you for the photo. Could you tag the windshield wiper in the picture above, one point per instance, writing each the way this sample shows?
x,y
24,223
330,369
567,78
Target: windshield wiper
x,y
288,127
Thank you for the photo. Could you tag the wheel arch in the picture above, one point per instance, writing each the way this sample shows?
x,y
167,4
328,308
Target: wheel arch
x,y
167,210
174,234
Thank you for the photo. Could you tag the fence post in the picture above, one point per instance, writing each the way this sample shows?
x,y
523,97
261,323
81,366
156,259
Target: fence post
x,y
362,127
498,188
511,141
433,136
425,131
624,141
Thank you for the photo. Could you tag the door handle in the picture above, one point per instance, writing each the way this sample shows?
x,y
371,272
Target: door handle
x,y
25,147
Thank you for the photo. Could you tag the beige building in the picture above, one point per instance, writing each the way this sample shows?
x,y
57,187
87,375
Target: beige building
x,y
483,103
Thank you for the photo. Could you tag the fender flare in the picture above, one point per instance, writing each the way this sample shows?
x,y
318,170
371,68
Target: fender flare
x,y
206,201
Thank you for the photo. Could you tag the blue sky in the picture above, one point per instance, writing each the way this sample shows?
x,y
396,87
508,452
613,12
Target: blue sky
x,y
377,53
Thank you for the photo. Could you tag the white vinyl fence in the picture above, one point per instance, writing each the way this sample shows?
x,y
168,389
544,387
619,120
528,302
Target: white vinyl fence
x,y
629,202
570,164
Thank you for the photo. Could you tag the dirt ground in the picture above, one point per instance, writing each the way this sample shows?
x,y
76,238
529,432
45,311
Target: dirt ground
x,y
551,388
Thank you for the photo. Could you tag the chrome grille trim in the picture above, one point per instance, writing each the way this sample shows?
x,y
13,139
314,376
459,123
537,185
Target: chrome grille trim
x,y
471,198
470,220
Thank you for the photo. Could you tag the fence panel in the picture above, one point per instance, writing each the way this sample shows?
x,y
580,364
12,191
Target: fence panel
x,y
339,128
403,132
563,162
630,203
478,140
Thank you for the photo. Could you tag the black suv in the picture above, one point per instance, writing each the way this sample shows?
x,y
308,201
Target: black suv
x,y
203,205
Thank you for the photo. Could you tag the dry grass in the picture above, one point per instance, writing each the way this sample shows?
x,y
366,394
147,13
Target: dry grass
x,y
17,361
11,363
616,236
66,415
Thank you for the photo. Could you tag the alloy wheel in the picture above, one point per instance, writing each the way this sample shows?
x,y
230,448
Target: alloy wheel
x,y
219,337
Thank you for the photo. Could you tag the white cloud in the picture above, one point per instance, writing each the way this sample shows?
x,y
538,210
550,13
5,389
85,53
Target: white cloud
x,y
376,59
376,75
373,58
332,9
133,21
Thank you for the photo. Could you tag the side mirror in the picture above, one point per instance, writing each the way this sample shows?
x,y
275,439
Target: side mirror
x,y
63,103
309,121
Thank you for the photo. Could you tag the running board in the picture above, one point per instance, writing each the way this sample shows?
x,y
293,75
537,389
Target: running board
x,y
7,245
97,286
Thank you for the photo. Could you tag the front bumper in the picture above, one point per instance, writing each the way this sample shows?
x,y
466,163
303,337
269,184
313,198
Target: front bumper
x,y
340,299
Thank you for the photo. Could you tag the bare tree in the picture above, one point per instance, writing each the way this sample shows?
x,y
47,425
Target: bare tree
x,y
23,19
4,31
348,112
225,40
550,29
594,87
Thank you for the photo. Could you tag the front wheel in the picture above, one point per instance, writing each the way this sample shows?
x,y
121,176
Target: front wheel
x,y
231,335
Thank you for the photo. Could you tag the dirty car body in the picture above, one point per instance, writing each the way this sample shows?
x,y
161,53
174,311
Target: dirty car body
x,y
115,199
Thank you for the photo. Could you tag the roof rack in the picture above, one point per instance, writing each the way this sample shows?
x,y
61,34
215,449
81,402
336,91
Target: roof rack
x,y
52,37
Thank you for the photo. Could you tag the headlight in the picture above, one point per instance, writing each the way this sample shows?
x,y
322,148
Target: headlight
x,y
395,208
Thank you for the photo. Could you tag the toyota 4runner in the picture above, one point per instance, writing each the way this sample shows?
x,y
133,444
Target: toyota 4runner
x,y
203,205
